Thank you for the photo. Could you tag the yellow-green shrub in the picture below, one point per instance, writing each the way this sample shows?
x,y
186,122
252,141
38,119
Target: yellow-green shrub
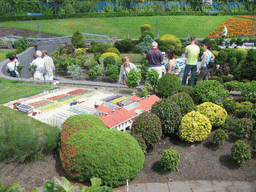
x,y
194,127
240,54
215,52
104,55
113,50
170,41
80,51
145,27
216,114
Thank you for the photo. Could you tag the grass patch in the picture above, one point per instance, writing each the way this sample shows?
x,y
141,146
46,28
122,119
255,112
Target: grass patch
x,y
122,27
13,89
3,54
22,137
132,56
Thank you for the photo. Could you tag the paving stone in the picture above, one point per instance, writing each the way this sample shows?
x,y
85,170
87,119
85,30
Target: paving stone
x,y
243,186
138,188
179,186
198,186
157,187
222,185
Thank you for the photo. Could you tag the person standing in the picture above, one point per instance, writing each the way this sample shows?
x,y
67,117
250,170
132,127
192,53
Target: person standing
x,y
39,63
125,69
11,66
49,67
191,53
169,54
155,58
206,58
224,32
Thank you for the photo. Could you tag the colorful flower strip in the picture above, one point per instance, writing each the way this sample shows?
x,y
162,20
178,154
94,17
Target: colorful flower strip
x,y
35,104
43,105
236,28
119,99
77,92
50,107
245,16
57,97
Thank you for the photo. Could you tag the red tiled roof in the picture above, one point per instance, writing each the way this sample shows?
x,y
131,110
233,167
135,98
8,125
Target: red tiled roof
x,y
122,115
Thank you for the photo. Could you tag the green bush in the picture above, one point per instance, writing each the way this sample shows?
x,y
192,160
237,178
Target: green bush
x,y
217,78
92,73
170,159
229,104
10,53
187,89
222,57
184,101
233,40
231,85
113,72
104,46
145,27
141,141
208,91
113,50
170,114
243,109
179,52
226,78
206,40
84,158
146,44
239,41
144,34
229,124
194,127
148,125
134,77
253,139
240,152
243,128
124,46
79,51
153,78
21,45
77,40
240,54
104,55
22,139
137,49
170,41
169,84
219,137
110,60
216,114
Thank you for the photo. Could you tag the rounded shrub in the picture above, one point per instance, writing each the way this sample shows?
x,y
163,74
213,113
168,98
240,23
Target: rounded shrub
x,y
253,139
104,55
170,114
184,101
110,60
104,46
77,40
79,51
124,46
219,136
240,152
229,124
226,78
148,125
141,141
171,41
144,34
216,114
113,156
243,128
217,78
170,159
145,27
194,127
240,54
243,109
169,84
208,91
229,104
113,50
232,64
92,73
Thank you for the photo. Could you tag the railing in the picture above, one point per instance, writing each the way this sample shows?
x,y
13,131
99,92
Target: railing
x,y
9,40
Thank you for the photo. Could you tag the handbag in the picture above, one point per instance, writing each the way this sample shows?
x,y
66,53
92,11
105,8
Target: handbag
x,y
13,73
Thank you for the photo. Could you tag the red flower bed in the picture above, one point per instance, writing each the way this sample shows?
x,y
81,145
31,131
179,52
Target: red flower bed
x,y
34,104
77,91
58,97
246,16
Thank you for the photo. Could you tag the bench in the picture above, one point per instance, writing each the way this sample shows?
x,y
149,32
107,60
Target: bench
x,y
34,14
212,11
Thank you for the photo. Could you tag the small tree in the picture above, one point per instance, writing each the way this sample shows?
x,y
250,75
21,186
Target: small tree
x,y
75,70
19,69
77,40
134,77
153,78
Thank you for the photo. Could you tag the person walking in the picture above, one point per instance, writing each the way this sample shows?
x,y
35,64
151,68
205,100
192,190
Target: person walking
x,y
11,66
206,58
39,63
49,67
224,32
155,57
191,53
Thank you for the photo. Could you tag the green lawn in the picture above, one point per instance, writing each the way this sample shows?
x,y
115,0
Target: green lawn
x,y
12,90
3,53
122,27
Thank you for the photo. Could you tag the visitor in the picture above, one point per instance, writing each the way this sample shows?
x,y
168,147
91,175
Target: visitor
x,y
39,63
169,54
39,53
155,59
206,58
11,66
125,69
49,67
224,32
191,53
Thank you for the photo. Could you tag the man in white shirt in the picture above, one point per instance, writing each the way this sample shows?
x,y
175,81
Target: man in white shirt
x,y
49,66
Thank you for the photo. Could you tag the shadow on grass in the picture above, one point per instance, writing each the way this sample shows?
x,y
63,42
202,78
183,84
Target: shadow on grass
x,y
228,162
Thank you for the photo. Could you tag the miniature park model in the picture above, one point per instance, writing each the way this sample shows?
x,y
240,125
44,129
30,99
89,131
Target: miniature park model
x,y
55,106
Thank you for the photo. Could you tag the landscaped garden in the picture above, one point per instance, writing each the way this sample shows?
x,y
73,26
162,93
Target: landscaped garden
x,y
203,133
